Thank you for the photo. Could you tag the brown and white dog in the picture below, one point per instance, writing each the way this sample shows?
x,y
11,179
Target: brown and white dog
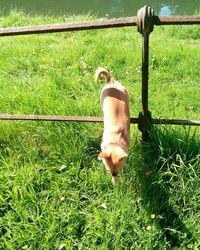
x,y
116,136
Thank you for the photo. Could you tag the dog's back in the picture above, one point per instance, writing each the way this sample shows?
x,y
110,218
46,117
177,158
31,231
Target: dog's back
x,y
114,102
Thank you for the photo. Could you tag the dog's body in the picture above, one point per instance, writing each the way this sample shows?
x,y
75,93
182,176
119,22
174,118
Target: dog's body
x,y
116,137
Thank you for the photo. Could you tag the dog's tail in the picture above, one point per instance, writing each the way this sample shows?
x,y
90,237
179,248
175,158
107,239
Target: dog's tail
x,y
106,74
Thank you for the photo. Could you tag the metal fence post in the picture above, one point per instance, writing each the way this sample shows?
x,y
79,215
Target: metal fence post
x,y
145,24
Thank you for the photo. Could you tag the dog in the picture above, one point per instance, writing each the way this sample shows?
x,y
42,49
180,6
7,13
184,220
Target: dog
x,y
116,136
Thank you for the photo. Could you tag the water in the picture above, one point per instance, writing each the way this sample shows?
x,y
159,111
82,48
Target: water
x,y
103,8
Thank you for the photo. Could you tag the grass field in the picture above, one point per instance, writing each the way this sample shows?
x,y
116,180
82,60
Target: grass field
x,y
54,193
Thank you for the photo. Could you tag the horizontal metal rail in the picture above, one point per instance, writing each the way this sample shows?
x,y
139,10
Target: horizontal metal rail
x,y
52,28
176,122
176,20
98,24
56,118
51,118
91,119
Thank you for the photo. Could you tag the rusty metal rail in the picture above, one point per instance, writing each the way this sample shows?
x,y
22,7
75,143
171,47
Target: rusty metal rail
x,y
176,20
98,24
52,28
145,21
51,118
176,122
91,119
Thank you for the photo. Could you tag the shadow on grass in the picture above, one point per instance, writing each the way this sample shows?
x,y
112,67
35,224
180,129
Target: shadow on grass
x,y
157,164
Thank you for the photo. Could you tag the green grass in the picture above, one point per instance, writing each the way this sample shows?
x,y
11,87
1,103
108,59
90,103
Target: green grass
x,y
54,194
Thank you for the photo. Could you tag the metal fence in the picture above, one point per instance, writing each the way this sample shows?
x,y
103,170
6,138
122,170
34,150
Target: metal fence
x,y
145,21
